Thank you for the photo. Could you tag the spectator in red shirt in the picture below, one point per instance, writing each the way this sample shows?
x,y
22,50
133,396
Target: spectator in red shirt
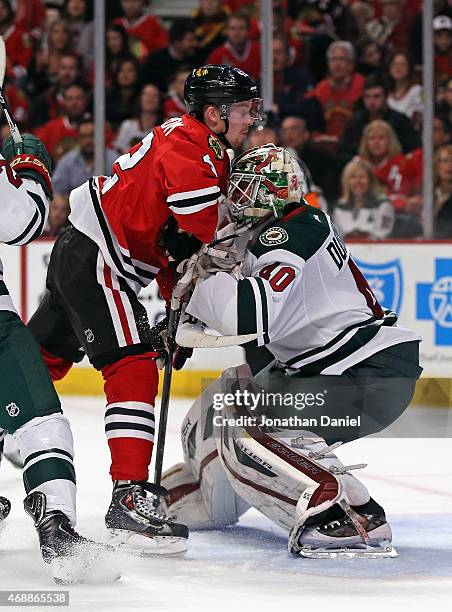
x,y
339,92
30,16
174,105
17,42
61,134
238,50
442,38
143,27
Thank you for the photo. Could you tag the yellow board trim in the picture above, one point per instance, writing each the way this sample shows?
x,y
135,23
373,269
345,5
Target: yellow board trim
x,y
435,392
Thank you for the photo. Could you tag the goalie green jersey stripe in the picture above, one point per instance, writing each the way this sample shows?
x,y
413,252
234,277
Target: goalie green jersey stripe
x,y
46,470
246,308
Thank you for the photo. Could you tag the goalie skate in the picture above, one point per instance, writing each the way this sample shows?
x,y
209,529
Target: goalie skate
x,y
348,534
72,558
138,524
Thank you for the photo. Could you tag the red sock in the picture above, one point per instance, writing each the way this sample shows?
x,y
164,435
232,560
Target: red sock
x,y
130,388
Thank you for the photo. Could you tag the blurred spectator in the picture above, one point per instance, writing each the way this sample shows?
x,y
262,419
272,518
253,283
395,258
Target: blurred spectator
x,y
445,106
381,148
363,211
290,84
116,49
30,16
376,107
443,192
45,63
174,105
210,20
142,28
149,116
442,131
405,95
160,66
49,104
77,166
58,216
363,13
260,136
370,57
322,164
18,104
77,16
442,38
238,50
122,98
17,42
60,135
339,92
392,28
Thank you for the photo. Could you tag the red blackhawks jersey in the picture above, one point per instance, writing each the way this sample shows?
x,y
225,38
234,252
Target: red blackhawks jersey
x,y
179,170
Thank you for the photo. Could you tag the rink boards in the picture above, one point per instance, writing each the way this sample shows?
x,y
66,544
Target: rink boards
x,y
414,279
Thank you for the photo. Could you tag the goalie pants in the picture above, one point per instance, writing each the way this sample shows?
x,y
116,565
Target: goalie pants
x,y
30,410
90,310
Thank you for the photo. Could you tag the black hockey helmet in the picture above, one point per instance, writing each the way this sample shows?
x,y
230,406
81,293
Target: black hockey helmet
x,y
220,86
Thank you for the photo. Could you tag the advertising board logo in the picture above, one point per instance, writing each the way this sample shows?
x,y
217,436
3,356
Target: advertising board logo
x,y
385,280
434,302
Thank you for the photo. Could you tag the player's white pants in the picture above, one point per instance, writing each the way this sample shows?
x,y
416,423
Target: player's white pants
x,y
229,468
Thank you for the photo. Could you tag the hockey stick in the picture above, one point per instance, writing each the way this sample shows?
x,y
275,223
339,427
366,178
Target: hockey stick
x,y
3,103
173,321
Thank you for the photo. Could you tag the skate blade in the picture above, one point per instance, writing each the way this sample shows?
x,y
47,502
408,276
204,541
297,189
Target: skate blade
x,y
385,550
91,568
138,544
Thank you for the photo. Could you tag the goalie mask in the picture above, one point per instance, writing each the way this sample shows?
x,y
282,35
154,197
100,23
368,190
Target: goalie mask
x,y
265,179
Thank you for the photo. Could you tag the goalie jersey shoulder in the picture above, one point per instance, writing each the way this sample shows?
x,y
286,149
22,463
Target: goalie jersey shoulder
x,y
301,232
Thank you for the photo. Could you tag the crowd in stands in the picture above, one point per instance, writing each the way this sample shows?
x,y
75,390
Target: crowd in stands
x,y
348,98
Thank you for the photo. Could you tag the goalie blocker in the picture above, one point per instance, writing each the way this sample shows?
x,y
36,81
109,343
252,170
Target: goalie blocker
x,y
293,477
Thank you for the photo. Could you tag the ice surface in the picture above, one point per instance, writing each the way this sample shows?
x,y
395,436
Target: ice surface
x,y
247,567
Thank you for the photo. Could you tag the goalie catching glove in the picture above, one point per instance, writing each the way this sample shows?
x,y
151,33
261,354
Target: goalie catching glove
x,y
33,163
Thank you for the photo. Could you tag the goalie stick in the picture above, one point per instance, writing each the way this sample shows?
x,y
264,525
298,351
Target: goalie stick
x,y
3,103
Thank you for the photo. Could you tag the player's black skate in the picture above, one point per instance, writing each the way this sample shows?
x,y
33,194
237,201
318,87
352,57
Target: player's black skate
x,y
5,507
138,522
72,557
359,531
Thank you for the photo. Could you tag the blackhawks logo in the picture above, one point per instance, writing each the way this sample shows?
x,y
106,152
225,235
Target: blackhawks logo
x,y
274,236
216,147
199,72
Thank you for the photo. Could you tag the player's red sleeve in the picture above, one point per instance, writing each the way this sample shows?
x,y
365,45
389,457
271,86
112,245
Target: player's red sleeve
x,y
193,192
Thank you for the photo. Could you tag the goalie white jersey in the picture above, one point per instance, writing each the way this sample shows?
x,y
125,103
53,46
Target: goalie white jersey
x,y
23,212
304,295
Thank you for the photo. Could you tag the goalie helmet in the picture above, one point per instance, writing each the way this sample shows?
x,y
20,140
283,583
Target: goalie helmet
x,y
265,179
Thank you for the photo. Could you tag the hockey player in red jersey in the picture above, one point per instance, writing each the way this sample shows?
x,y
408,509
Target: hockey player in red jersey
x,y
161,200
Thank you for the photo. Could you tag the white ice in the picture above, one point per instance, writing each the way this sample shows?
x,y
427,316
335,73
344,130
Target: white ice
x,y
248,566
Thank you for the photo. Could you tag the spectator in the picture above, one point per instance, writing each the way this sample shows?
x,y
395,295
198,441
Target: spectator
x,y
77,16
145,31
77,166
238,50
58,216
210,20
260,136
122,99
339,92
160,66
322,164
442,38
445,106
376,107
149,116
174,105
442,131
370,57
443,192
60,135
17,42
18,103
405,94
49,104
30,17
290,84
45,63
392,28
363,211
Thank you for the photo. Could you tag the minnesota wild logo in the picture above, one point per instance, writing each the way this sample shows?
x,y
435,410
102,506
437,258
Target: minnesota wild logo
x,y
216,147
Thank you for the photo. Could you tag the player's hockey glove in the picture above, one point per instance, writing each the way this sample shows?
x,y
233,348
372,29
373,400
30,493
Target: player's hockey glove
x,y
179,245
33,163
160,345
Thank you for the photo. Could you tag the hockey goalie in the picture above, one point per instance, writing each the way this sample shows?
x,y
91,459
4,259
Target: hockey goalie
x,y
294,292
